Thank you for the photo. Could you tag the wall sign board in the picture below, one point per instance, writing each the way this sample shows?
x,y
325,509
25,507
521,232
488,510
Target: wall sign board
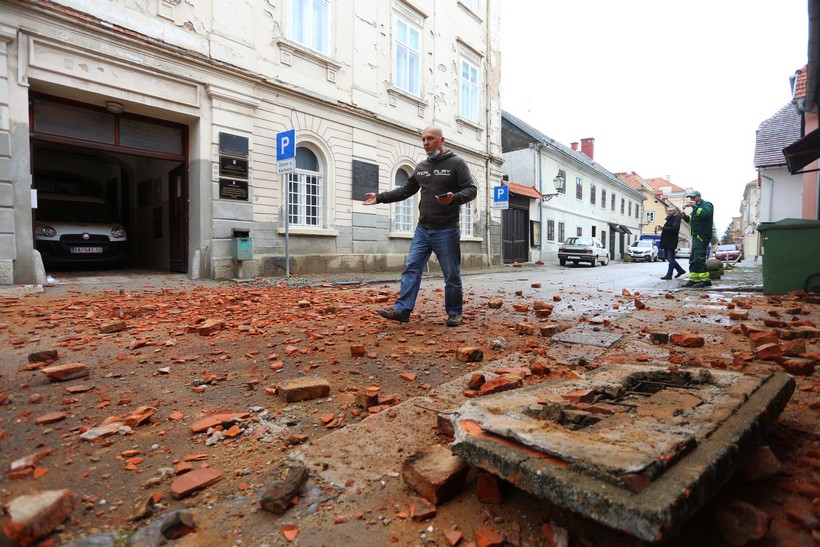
x,y
233,167
233,189
365,179
234,145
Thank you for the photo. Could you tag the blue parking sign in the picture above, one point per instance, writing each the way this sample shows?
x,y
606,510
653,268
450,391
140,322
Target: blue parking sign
x,y
501,197
286,145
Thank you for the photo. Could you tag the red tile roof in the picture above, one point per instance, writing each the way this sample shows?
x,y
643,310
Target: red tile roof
x,y
658,182
521,190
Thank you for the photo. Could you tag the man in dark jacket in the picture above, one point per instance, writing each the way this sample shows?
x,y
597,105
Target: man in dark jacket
x,y
445,183
669,242
700,223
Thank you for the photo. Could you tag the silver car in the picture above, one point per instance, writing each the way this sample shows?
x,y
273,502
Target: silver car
x,y
582,249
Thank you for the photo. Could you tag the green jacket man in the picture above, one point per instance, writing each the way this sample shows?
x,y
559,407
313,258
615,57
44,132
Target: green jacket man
x,y
700,221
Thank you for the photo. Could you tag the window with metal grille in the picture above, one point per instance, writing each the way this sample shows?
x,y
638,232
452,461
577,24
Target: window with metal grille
x,y
613,201
593,193
561,232
623,205
305,185
603,198
550,230
579,188
403,210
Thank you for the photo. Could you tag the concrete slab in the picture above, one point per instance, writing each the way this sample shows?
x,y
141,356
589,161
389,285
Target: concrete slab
x,y
589,334
655,448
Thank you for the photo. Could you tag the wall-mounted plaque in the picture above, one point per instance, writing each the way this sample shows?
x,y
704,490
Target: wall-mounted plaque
x,y
233,167
365,179
233,145
233,189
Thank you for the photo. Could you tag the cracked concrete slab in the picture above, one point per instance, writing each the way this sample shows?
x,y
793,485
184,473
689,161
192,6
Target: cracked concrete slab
x,y
650,449
589,334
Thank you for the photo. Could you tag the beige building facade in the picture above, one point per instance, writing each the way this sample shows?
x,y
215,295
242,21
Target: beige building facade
x,y
176,114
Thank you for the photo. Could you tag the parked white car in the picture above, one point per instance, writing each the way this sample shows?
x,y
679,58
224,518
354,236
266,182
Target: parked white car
x,y
643,249
683,252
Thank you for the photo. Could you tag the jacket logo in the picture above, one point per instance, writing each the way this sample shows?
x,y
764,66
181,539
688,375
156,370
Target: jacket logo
x,y
445,172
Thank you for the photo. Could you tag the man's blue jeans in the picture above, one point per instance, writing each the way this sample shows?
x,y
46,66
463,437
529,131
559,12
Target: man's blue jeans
x,y
446,243
673,264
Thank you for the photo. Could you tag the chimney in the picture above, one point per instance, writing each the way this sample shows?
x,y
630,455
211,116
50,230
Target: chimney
x,y
588,147
574,146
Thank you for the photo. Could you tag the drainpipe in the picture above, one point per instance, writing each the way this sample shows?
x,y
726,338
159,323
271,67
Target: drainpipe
x,y
488,151
538,148
769,215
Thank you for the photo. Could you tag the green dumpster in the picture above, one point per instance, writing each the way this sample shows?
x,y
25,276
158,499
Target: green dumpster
x,y
791,255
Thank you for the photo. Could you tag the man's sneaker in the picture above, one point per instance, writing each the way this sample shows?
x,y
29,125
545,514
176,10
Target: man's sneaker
x,y
666,277
453,320
393,315
701,284
680,273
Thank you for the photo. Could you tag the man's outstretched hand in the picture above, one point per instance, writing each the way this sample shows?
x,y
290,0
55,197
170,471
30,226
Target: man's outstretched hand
x,y
371,198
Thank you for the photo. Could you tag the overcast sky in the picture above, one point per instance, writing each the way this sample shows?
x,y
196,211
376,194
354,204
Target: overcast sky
x,y
667,89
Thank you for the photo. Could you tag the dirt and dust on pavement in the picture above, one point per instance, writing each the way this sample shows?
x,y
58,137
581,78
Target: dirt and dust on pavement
x,y
151,409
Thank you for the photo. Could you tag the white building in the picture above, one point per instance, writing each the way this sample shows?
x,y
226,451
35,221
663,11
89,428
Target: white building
x,y
581,197
170,111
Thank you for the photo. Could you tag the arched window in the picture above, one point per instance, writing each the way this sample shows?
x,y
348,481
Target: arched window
x,y
305,190
402,210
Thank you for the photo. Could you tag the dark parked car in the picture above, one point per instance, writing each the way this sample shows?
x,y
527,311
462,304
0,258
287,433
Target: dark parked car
x,y
728,253
582,249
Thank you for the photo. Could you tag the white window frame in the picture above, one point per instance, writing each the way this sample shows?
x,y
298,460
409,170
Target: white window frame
x,y
466,217
650,217
302,29
472,5
403,56
403,211
469,89
299,205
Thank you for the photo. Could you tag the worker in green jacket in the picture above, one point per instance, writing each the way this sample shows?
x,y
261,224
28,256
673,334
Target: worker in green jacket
x,y
700,223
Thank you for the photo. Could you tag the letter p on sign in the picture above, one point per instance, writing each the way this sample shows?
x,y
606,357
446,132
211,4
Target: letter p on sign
x,y
286,145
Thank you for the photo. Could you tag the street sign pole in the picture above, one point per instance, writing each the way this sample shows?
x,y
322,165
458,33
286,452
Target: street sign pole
x,y
501,200
285,165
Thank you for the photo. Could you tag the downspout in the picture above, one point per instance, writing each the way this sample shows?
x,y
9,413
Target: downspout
x,y
769,215
540,204
488,151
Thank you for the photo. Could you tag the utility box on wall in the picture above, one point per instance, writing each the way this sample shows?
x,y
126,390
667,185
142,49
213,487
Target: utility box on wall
x,y
241,245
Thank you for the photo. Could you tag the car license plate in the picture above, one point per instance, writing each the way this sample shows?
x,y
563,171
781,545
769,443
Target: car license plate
x,y
85,250
574,257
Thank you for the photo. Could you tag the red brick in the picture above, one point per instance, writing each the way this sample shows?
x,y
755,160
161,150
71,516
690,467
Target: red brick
x,y
487,537
50,418
217,419
435,474
476,381
69,371
525,328
502,383
32,516
357,350
687,340
304,389
192,481
113,326
421,509
469,355
487,489
757,339
140,415
580,396
767,351
45,356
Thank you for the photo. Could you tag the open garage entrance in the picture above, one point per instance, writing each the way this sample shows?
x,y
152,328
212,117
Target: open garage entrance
x,y
112,188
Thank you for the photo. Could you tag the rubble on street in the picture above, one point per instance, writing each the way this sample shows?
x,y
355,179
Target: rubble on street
x,y
275,413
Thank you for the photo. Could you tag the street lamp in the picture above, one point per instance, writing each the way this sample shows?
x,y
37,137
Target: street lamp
x,y
557,182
